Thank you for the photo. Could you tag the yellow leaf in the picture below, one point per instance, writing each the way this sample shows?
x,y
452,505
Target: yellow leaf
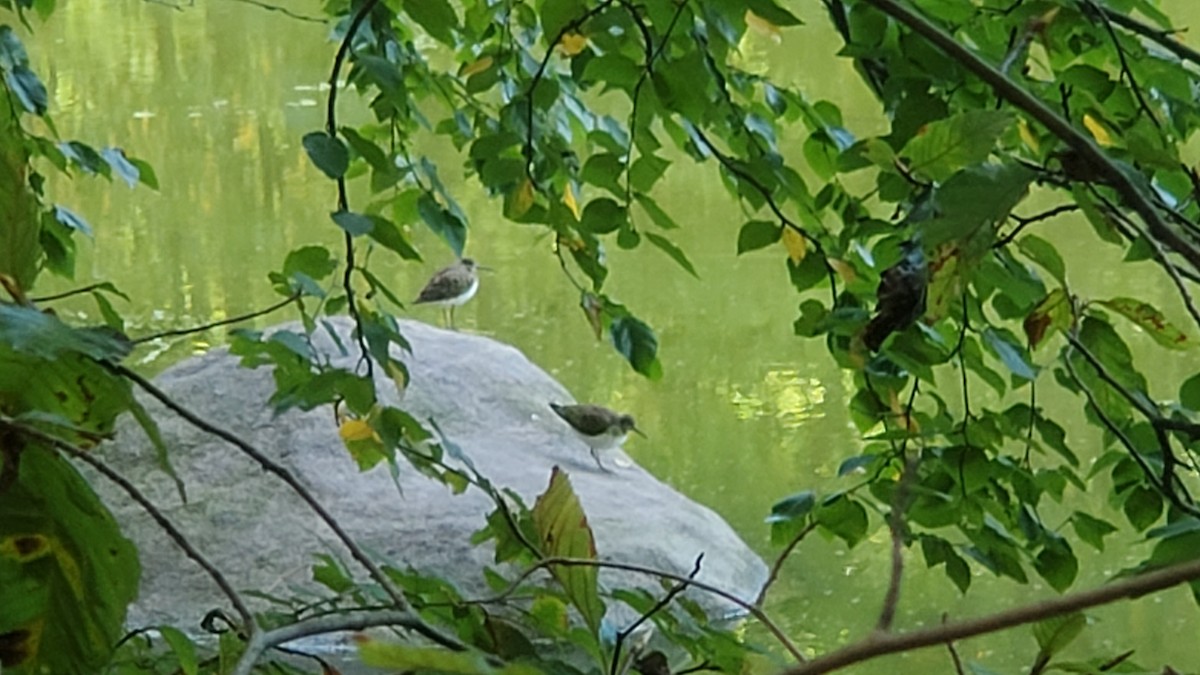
x,y
900,410
520,200
572,43
477,66
762,26
844,270
1027,136
569,200
395,370
356,430
1097,130
795,244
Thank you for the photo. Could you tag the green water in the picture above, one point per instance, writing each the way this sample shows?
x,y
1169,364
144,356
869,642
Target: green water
x,y
216,96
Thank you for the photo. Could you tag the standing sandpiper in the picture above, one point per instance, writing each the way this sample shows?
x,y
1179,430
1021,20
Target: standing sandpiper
x,y
599,427
451,287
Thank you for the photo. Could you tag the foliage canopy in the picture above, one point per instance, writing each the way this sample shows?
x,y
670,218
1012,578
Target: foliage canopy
x,y
571,113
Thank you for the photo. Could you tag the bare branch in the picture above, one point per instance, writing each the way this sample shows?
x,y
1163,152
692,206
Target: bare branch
x,y
248,623
896,526
1022,99
778,564
270,466
217,324
333,623
880,644
754,611
342,199
663,602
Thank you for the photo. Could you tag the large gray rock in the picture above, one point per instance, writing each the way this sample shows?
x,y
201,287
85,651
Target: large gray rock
x,y
485,396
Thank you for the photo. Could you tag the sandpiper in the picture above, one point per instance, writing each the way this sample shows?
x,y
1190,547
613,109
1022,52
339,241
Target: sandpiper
x,y
600,428
451,287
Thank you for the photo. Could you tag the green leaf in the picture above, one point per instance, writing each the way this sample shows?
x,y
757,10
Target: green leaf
x,y
676,253
563,531
1010,354
390,236
657,215
355,224
605,170
773,13
184,649
938,551
20,230
71,220
637,342
330,574
557,14
327,153
947,145
646,171
845,518
29,89
1189,392
1057,564
602,216
66,572
1143,506
443,223
1091,530
757,234
1152,321
85,157
1054,634
125,169
43,335
400,657
789,516
437,17
1045,254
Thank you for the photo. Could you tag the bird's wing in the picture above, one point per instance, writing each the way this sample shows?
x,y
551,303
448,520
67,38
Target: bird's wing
x,y
587,419
445,284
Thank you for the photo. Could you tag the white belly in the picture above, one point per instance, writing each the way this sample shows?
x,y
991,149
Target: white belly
x,y
461,299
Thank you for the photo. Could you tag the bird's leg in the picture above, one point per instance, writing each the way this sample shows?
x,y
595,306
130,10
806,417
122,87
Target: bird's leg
x,y
451,317
596,456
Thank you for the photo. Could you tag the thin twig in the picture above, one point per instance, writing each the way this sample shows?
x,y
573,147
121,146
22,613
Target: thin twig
x,y
1125,70
334,623
896,526
1021,98
342,200
1159,37
571,26
777,566
270,466
282,10
66,294
663,602
879,644
1022,223
217,324
958,666
767,196
754,611
89,458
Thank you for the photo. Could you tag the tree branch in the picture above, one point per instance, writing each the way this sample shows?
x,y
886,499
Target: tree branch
x,y
880,644
217,324
1022,99
248,623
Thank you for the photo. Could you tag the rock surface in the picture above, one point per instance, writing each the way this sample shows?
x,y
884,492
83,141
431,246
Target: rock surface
x,y
486,396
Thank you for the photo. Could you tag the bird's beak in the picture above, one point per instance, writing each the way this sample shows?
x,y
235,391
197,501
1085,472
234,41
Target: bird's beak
x,y
640,432
485,268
